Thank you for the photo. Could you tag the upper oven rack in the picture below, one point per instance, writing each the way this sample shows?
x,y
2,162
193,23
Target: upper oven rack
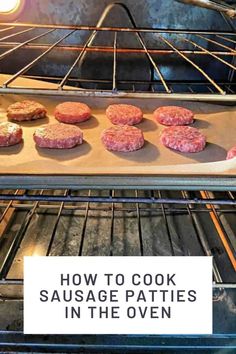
x,y
158,86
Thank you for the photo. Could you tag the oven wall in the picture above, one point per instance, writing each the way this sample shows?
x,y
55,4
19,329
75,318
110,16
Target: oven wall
x,y
148,13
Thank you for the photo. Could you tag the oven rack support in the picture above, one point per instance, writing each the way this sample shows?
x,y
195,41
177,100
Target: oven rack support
x,y
215,91
99,182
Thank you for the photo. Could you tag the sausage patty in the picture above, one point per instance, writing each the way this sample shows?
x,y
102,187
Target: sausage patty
x,y
231,153
10,134
26,110
58,136
122,138
72,112
124,114
173,115
183,138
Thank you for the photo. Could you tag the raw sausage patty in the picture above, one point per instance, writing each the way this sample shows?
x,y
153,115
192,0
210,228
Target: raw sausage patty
x,y
231,153
58,136
10,134
173,115
122,138
26,110
184,139
124,114
72,112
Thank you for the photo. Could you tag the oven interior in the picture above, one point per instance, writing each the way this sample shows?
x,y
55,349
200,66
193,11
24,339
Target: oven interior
x,y
184,52
151,49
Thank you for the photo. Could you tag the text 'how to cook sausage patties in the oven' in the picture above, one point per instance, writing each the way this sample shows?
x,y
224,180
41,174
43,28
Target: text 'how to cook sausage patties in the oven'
x,y
58,136
123,138
26,110
173,115
10,134
124,114
183,139
72,112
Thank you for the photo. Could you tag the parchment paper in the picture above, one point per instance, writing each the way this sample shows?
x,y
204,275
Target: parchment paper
x,y
217,122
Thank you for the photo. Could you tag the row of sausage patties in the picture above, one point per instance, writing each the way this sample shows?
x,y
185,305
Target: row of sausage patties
x,y
123,136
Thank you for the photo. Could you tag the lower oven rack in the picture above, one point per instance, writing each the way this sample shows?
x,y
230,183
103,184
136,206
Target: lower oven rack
x,y
135,222
117,222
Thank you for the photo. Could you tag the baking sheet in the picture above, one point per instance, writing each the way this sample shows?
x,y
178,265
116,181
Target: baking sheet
x,y
217,122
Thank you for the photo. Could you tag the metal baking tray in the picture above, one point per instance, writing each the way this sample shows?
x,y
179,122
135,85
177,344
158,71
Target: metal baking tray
x,y
155,164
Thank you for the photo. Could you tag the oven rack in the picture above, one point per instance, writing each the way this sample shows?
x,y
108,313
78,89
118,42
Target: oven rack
x,y
98,182
115,222
158,86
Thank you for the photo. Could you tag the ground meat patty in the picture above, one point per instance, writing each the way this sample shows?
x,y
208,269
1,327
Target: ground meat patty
x,y
184,139
173,115
26,110
124,114
72,112
231,153
58,136
122,138
10,134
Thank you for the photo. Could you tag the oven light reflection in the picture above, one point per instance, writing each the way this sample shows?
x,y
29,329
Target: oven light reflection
x,y
9,6
35,251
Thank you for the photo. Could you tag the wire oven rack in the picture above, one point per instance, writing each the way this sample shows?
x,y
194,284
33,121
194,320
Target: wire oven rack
x,y
208,88
114,222
63,222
